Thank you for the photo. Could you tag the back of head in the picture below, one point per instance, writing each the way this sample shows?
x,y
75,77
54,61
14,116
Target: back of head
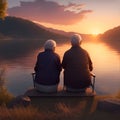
x,y
50,45
76,40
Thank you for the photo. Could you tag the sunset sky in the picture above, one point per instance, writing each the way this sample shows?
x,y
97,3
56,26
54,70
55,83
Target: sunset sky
x,y
83,16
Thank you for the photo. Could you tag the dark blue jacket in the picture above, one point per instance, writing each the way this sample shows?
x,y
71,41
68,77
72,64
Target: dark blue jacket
x,y
47,68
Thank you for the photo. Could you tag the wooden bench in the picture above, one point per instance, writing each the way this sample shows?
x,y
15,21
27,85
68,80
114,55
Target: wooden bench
x,y
62,93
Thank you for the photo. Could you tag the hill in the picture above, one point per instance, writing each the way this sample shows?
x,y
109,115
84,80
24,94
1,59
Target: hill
x,y
112,37
112,34
67,34
18,28
21,29
60,32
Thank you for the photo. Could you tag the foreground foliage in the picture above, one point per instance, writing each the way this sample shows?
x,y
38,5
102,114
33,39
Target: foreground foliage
x,y
63,110
3,8
5,96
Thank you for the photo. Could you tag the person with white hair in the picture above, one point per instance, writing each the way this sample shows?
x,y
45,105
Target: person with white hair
x,y
47,68
77,65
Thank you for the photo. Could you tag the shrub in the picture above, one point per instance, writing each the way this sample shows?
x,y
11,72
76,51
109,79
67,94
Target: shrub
x,y
5,96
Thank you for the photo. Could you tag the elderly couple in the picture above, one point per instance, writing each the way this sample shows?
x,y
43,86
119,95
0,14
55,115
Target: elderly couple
x,y
76,64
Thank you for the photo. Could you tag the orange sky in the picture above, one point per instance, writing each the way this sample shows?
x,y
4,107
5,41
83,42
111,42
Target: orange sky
x,y
83,16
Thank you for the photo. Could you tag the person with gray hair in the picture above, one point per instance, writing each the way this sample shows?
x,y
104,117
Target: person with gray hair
x,y
77,65
47,68
50,45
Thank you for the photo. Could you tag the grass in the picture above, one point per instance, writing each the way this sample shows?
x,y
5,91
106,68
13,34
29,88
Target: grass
x,y
20,113
74,108
59,109
118,95
5,96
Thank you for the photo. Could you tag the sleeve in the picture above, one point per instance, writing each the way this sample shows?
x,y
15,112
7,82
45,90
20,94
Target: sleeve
x,y
64,61
36,65
59,66
90,63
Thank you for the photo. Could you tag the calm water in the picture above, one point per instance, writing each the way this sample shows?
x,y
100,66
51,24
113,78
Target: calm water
x,y
106,63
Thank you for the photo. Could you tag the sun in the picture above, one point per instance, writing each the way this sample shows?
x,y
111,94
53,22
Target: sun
x,y
95,32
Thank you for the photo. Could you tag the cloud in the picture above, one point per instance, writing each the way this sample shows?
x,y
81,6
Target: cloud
x,y
50,12
74,8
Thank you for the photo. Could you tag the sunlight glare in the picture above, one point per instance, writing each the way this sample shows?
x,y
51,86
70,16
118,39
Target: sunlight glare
x,y
95,32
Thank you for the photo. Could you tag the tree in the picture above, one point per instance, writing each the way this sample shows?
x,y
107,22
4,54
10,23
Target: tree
x,y
3,8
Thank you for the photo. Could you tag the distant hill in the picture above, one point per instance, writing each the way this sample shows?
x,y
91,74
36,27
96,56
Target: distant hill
x,y
63,33
18,28
112,34
112,37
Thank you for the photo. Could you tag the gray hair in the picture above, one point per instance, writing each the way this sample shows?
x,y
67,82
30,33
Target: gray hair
x,y
76,40
50,45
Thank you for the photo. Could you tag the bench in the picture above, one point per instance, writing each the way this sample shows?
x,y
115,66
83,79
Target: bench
x,y
62,93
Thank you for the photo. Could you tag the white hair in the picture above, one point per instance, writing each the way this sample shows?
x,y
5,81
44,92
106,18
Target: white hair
x,y
76,40
50,45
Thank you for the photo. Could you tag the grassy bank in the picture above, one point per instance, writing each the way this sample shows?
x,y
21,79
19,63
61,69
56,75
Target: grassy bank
x,y
59,109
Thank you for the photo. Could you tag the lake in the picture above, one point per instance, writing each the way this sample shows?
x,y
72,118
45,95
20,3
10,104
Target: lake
x,y
106,62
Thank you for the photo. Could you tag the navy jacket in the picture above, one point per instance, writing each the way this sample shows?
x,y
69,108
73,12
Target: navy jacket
x,y
47,68
77,66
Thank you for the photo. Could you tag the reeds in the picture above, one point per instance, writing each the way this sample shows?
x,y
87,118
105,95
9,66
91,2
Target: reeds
x,y
21,113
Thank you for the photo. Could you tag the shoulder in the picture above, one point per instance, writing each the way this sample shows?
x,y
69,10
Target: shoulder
x,y
40,54
85,51
56,54
68,51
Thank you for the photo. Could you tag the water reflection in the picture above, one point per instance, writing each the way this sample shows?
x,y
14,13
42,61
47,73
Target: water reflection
x,y
106,67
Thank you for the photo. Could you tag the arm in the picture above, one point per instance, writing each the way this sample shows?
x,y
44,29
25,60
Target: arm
x,y
64,61
90,63
36,65
59,63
